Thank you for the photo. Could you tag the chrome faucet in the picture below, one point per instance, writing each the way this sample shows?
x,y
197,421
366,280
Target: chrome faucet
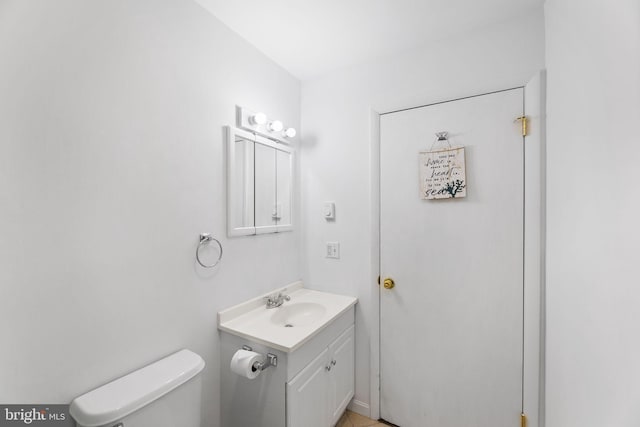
x,y
276,300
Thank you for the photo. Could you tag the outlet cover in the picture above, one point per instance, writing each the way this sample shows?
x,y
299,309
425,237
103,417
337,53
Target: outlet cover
x,y
333,250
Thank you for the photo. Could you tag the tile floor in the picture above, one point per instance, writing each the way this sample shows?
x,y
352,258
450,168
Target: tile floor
x,y
351,419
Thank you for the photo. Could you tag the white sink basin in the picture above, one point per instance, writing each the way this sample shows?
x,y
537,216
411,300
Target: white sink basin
x,y
289,326
298,314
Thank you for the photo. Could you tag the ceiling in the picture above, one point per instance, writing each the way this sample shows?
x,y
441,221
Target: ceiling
x,y
311,37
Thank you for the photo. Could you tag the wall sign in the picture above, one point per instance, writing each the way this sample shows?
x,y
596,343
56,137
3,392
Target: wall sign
x,y
442,174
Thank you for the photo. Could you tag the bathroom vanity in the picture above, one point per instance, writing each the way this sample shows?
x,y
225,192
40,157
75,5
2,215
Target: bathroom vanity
x,y
312,337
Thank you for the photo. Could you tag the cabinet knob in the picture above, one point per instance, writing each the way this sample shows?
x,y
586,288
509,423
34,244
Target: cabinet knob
x,y
333,362
389,283
328,368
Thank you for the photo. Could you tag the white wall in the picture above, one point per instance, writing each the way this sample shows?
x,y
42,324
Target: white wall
x,y
593,243
111,164
336,154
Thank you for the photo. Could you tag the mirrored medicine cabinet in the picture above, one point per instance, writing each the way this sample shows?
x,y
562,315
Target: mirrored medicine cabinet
x,y
259,184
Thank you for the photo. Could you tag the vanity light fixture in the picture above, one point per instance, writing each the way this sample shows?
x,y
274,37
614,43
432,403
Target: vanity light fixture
x,y
259,123
259,119
275,126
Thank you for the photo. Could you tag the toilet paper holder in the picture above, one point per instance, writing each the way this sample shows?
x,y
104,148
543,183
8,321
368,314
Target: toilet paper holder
x,y
270,360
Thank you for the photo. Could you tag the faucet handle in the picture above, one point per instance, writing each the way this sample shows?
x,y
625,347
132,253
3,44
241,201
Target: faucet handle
x,y
282,297
276,300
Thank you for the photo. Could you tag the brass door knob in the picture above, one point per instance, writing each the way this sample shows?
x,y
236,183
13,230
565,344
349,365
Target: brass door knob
x,y
389,283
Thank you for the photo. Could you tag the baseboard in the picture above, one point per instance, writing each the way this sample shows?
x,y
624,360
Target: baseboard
x,y
360,408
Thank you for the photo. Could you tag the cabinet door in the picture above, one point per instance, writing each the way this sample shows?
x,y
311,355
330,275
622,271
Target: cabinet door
x,y
307,399
342,374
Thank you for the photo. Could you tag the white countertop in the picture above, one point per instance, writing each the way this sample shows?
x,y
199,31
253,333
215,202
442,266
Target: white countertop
x,y
253,321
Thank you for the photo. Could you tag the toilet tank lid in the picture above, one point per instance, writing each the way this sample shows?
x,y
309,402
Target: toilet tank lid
x,y
121,397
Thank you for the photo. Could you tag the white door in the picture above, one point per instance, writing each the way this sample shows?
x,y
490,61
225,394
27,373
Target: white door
x,y
451,331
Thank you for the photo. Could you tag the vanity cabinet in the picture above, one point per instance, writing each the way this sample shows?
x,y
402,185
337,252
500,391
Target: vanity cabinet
x,y
314,379
318,395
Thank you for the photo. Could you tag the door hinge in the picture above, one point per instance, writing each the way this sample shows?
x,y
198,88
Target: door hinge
x,y
523,420
524,121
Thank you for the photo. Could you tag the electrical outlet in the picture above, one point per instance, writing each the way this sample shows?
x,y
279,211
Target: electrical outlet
x,y
333,250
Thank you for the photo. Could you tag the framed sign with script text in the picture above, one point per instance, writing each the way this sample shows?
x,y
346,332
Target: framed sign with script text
x,y
442,174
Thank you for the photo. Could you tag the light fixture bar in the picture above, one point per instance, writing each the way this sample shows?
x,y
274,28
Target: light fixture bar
x,y
262,125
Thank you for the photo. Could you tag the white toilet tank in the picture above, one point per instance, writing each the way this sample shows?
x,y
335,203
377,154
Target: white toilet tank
x,y
163,394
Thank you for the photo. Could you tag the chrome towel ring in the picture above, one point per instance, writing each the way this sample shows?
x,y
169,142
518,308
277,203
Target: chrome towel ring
x,y
204,239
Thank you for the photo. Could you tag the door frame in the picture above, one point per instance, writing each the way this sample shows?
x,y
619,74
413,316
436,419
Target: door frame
x,y
534,251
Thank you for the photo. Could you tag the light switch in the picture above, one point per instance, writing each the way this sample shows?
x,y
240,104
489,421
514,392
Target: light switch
x,y
333,250
329,210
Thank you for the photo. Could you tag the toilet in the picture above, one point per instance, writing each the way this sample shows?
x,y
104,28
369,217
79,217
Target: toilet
x,y
165,393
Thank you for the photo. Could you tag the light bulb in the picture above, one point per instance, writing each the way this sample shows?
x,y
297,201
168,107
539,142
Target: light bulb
x,y
290,132
275,126
259,119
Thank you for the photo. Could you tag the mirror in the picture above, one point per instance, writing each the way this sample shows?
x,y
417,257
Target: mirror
x,y
284,189
244,177
265,186
259,184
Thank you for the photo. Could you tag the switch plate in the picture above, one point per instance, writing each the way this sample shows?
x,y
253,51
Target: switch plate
x,y
333,250
329,210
